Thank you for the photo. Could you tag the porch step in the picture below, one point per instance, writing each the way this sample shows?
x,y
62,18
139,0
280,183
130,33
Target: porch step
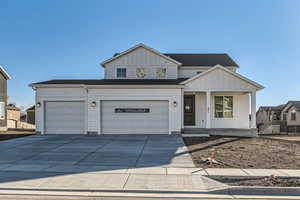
x,y
195,135
194,132
218,131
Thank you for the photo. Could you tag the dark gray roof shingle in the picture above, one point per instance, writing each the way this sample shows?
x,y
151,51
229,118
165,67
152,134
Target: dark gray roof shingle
x,y
296,104
115,82
200,59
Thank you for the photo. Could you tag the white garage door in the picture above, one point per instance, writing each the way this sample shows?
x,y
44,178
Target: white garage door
x,y
135,117
64,117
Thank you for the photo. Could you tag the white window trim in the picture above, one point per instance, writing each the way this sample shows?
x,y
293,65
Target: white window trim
x,y
116,72
214,108
293,113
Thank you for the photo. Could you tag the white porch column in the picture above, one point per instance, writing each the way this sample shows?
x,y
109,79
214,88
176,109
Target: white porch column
x,y
208,109
253,110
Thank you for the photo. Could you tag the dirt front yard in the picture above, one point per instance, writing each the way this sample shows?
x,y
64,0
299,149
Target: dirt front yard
x,y
278,182
233,152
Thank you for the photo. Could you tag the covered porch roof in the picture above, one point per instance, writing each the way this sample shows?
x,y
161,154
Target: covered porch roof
x,y
220,79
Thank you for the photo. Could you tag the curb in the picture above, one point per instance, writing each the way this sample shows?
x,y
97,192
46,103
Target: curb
x,y
223,193
254,190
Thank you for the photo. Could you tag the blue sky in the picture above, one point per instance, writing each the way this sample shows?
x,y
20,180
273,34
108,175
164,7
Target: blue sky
x,y
52,39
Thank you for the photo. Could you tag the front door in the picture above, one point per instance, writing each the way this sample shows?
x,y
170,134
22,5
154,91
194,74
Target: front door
x,y
189,110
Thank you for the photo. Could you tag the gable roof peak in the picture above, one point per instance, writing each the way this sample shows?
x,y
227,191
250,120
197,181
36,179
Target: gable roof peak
x,y
4,73
218,66
136,47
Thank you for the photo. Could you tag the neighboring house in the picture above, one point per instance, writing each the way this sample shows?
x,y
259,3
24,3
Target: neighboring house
x,y
268,119
4,76
30,115
13,116
291,115
149,92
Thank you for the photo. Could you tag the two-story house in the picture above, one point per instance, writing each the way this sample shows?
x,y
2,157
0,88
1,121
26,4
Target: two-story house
x,y
4,76
290,114
148,92
268,119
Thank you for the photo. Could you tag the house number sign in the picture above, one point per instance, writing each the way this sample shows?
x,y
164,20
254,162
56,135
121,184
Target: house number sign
x,y
132,110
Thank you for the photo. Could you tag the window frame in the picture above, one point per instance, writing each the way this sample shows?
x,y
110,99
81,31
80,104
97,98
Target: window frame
x,y
284,117
121,68
223,115
293,116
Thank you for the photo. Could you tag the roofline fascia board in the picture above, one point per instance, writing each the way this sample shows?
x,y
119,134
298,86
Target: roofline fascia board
x,y
134,86
135,47
259,87
8,77
56,85
103,86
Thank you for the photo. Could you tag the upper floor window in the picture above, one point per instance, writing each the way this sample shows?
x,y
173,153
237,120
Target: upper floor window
x,y
293,115
141,72
223,106
284,117
121,73
161,72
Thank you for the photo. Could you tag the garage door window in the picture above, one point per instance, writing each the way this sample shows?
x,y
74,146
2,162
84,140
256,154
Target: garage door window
x,y
132,110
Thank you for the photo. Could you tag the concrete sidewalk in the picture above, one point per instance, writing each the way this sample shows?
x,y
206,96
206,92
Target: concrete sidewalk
x,y
162,170
93,181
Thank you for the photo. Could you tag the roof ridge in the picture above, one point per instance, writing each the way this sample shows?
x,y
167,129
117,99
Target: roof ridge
x,y
200,53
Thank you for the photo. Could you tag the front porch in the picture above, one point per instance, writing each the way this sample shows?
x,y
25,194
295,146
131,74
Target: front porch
x,y
219,113
219,102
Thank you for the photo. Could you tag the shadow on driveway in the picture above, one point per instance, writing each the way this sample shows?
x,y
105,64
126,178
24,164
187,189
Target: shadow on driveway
x,y
34,160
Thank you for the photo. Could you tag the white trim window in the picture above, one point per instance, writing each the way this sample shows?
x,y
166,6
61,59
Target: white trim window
x,y
293,115
161,72
284,116
223,106
2,110
121,72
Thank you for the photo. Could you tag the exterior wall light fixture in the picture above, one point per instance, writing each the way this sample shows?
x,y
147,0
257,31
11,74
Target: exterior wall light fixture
x,y
93,104
174,103
38,104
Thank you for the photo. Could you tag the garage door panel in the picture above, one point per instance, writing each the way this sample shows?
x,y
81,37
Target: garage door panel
x,y
154,122
64,117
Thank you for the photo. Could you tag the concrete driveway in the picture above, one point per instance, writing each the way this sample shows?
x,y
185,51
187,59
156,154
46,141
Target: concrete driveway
x,y
97,163
121,151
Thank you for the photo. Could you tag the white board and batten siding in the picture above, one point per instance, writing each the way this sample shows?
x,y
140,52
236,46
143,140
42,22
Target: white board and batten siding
x,y
160,101
241,111
219,80
221,83
144,58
